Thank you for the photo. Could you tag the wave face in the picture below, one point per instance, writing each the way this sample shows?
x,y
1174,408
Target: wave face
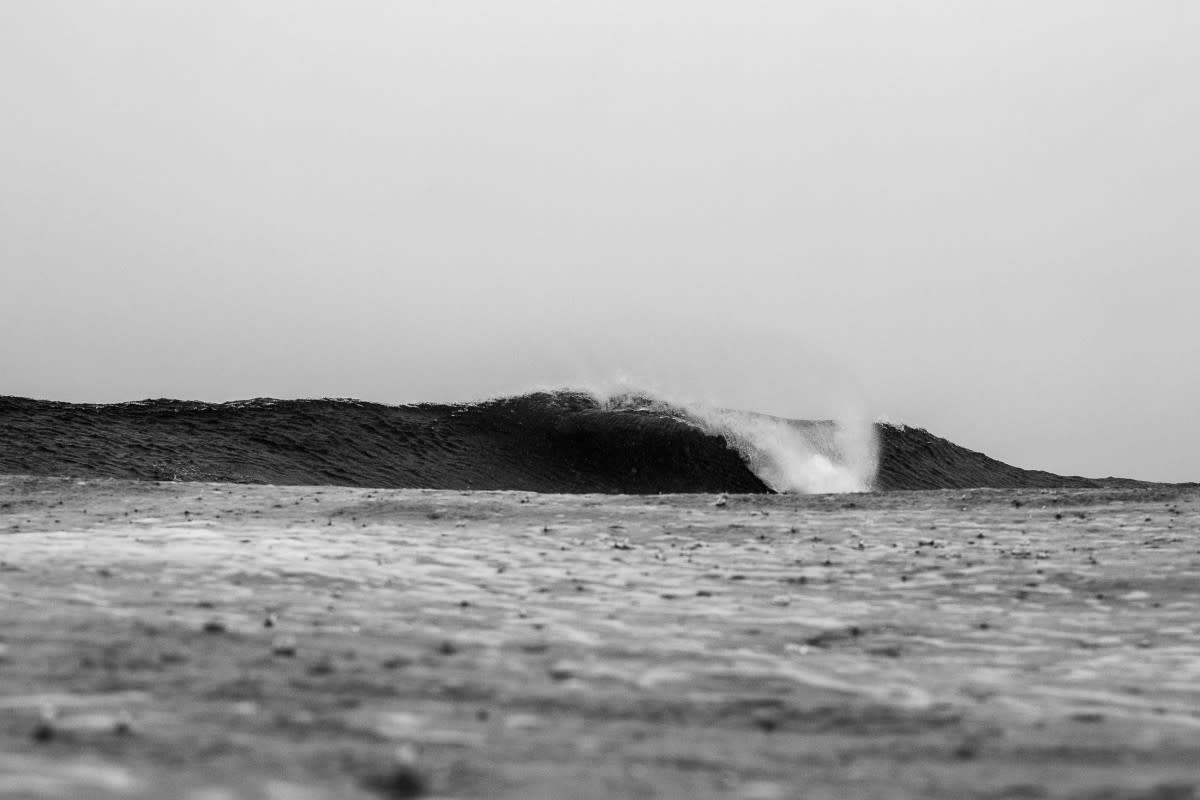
x,y
560,441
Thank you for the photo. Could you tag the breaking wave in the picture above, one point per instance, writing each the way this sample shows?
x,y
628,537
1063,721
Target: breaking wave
x,y
616,441
787,455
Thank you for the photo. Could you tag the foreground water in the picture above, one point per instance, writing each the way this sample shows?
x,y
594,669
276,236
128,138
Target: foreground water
x,y
228,641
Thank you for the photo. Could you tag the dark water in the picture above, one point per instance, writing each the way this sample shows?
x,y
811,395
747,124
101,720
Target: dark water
x,y
546,442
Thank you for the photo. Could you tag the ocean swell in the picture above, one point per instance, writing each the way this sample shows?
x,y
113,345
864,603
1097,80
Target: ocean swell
x,y
548,441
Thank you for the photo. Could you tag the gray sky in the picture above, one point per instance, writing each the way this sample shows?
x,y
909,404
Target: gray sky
x,y
978,217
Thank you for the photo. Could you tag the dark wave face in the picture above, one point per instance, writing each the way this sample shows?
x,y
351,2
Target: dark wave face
x,y
546,442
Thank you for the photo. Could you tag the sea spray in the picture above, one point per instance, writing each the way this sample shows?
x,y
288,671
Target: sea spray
x,y
797,456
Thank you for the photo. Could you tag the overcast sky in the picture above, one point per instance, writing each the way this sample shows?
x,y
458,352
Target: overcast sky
x,y
978,217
